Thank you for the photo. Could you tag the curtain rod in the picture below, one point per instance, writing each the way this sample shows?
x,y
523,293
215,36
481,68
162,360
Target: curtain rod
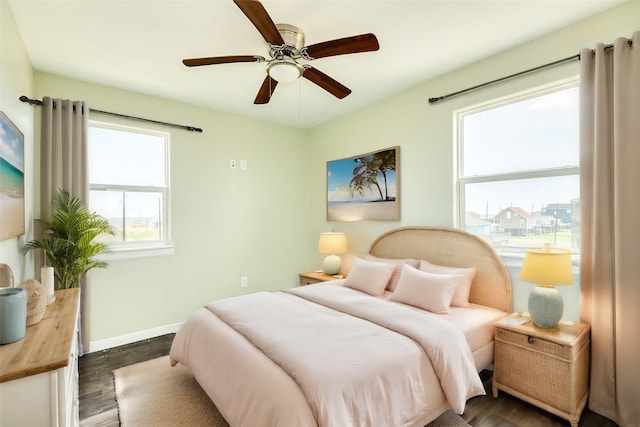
x,y
109,113
501,79
572,58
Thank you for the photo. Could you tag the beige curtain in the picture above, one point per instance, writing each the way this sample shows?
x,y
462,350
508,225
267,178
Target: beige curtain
x,y
63,150
63,165
610,232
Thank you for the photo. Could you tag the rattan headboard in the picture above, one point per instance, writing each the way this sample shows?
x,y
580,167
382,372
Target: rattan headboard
x,y
453,248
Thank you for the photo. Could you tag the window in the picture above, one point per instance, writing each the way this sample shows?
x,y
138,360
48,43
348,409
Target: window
x,y
128,184
518,170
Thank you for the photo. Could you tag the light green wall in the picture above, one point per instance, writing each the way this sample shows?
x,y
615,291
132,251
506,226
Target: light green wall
x,y
425,134
225,223
16,79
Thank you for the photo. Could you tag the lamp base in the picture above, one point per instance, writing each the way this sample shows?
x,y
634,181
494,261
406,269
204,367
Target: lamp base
x,y
332,265
545,306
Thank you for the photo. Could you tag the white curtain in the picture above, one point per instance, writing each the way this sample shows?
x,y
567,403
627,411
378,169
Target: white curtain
x,y
610,231
63,150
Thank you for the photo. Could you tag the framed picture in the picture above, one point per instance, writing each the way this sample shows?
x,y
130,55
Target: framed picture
x,y
364,187
11,179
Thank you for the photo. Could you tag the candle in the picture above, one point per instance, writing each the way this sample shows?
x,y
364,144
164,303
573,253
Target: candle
x,y
46,277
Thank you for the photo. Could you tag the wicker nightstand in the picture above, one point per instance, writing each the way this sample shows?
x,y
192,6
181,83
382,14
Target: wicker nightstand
x,y
548,368
316,277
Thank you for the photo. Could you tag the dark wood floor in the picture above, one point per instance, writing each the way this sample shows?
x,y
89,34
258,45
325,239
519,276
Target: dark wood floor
x,y
98,406
96,391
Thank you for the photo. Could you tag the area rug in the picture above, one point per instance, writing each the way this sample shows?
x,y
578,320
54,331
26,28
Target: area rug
x,y
152,393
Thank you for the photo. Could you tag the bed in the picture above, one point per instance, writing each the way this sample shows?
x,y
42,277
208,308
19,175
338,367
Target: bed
x,y
332,355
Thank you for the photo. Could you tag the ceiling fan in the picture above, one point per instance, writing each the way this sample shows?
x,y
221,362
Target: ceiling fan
x,y
286,49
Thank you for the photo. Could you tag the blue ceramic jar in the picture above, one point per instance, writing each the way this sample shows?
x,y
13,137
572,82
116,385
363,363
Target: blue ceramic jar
x,y
13,314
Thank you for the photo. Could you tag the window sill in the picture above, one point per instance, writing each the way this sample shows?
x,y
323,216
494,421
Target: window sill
x,y
130,252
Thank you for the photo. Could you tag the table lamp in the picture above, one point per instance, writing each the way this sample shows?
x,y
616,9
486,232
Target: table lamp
x,y
332,244
547,267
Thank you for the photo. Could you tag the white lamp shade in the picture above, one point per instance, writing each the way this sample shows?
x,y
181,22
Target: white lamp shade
x,y
332,243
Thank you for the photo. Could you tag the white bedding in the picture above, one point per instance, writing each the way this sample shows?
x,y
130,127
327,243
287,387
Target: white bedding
x,y
476,322
388,381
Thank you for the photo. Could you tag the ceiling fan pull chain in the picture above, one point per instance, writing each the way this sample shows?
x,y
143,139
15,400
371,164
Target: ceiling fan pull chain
x,y
270,93
299,99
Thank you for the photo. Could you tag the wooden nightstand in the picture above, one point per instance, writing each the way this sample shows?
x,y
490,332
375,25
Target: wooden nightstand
x,y
548,368
316,277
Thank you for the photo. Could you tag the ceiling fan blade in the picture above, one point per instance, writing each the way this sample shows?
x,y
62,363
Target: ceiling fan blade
x,y
266,90
354,44
196,62
325,82
261,20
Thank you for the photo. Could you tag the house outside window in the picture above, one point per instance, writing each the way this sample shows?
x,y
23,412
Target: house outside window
x,y
518,169
129,186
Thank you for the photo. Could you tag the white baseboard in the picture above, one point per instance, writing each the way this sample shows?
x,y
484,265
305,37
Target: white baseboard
x,y
133,337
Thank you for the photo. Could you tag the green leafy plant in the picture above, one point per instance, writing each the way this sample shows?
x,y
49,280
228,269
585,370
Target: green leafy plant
x,y
70,239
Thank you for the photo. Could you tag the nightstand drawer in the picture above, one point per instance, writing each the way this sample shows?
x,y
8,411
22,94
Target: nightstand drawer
x,y
309,281
534,343
316,277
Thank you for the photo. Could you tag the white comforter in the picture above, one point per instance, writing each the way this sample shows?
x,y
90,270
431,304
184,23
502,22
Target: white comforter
x,y
357,359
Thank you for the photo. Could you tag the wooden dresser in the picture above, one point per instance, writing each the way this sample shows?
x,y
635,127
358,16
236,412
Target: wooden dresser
x,y
39,373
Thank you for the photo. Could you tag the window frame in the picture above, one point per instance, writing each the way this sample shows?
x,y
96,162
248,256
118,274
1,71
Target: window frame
x,y
461,182
144,248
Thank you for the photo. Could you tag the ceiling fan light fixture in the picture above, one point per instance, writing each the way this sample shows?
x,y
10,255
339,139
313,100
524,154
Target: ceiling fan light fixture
x,y
284,71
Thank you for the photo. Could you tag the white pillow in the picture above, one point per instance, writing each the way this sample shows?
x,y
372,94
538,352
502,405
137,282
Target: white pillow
x,y
368,276
429,291
398,263
461,296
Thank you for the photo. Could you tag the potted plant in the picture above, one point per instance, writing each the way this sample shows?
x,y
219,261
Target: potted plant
x,y
70,241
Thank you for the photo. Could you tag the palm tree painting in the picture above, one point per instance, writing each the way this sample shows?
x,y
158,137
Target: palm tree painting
x,y
364,187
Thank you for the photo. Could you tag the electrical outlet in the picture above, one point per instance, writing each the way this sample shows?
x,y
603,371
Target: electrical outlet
x,y
243,165
232,164
244,281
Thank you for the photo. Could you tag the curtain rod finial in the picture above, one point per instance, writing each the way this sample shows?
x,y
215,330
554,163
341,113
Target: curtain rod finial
x,y
30,101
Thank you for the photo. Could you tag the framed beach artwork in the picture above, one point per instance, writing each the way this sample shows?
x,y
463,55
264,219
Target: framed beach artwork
x,y
364,187
11,179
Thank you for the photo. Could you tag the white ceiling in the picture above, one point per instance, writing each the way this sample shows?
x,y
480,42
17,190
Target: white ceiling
x,y
138,45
